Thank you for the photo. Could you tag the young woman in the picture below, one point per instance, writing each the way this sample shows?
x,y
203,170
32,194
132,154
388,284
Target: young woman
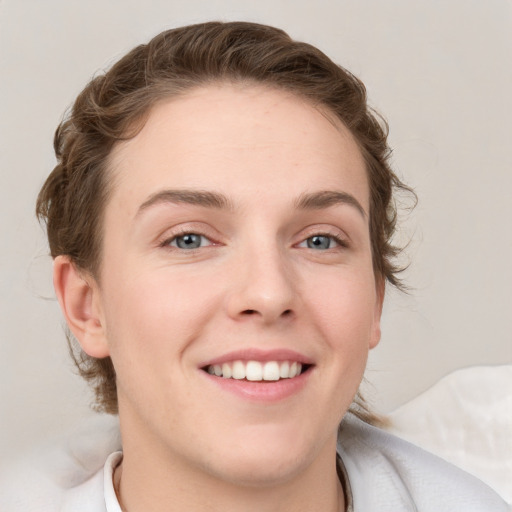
x,y
220,219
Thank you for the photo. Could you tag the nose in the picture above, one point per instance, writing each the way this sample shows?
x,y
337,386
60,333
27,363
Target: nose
x,y
263,287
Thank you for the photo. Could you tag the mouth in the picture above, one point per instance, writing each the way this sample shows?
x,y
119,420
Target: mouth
x,y
264,376
257,371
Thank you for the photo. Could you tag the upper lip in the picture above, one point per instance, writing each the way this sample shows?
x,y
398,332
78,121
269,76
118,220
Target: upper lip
x,y
254,354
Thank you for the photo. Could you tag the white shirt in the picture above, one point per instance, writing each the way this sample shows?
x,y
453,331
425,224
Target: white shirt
x,y
384,473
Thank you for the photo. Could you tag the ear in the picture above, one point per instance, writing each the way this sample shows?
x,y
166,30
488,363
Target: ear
x,y
380,288
80,300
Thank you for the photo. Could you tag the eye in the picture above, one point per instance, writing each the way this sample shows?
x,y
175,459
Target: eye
x,y
319,242
322,242
188,241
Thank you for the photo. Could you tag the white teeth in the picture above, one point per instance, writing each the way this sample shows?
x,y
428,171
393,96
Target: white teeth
x,y
256,371
271,371
238,370
284,370
226,371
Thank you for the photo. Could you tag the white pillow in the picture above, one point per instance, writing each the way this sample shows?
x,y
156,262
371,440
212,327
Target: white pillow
x,y
466,418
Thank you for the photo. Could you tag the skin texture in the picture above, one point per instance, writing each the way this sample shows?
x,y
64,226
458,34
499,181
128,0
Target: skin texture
x,y
161,312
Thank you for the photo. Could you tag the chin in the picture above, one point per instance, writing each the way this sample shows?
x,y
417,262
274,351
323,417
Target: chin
x,y
259,459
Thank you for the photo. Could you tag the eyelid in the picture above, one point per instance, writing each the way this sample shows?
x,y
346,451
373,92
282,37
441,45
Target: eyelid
x,y
175,232
339,236
339,242
170,241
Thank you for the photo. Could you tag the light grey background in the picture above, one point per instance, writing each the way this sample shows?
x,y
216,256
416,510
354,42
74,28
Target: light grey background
x,y
440,72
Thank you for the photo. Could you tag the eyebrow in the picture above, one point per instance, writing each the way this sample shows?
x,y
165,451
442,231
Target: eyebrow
x,y
327,198
208,199
203,198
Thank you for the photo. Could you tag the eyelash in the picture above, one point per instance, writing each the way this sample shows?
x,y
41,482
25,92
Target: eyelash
x,y
339,241
166,244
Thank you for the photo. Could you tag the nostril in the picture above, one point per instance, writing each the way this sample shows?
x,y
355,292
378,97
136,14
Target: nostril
x,y
287,312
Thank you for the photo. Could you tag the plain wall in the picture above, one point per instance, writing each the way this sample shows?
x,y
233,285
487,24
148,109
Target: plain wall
x,y
439,71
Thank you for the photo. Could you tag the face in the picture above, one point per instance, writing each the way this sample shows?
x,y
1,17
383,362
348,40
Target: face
x,y
237,297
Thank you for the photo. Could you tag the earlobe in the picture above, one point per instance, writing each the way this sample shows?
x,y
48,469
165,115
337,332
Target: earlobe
x,y
79,301
380,288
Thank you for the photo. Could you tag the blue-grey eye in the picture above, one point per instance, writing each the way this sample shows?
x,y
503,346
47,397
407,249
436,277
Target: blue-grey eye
x,y
188,241
319,242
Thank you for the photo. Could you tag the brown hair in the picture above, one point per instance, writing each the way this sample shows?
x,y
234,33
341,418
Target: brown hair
x,y
114,105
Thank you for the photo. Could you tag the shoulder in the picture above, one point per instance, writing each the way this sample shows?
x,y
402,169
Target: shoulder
x,y
388,474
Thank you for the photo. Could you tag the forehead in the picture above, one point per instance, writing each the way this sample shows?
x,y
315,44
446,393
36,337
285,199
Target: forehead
x,y
238,139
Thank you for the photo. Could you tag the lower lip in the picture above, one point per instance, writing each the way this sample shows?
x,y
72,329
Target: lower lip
x,y
264,391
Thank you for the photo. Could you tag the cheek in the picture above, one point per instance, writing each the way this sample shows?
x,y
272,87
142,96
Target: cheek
x,y
343,308
150,322
342,311
344,304
156,313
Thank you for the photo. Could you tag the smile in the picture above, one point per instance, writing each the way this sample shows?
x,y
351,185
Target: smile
x,y
260,375
256,371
